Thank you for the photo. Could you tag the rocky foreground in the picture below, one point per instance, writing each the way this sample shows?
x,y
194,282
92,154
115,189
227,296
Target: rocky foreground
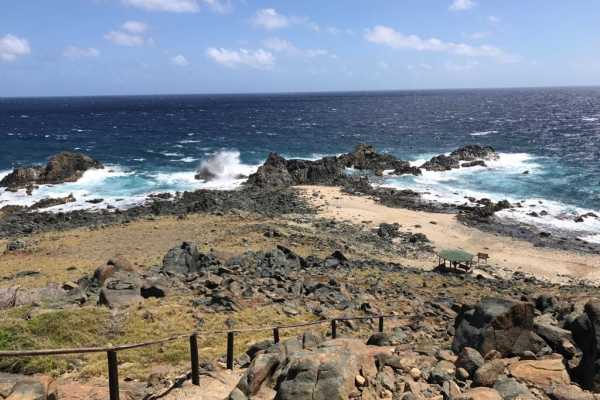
x,y
455,336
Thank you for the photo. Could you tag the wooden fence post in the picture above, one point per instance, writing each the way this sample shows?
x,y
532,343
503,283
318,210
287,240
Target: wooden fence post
x,y
380,324
333,329
276,335
230,350
113,375
194,360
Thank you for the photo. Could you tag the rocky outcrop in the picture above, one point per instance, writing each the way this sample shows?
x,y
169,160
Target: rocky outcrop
x,y
279,172
335,369
472,155
14,387
585,329
474,152
52,201
497,324
365,157
186,259
441,163
63,167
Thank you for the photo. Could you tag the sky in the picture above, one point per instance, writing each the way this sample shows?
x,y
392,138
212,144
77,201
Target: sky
x,y
103,47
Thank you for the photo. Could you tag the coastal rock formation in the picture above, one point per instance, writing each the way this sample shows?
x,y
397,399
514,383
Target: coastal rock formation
x,y
365,157
63,167
473,155
279,172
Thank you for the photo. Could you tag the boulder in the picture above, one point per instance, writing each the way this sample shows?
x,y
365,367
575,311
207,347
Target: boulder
x,y
8,297
560,340
497,324
544,373
586,333
335,369
480,393
488,373
113,265
33,388
443,371
511,389
120,290
63,167
183,259
469,359
569,392
262,367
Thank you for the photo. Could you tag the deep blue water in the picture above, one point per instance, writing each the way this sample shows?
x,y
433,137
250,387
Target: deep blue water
x,y
156,142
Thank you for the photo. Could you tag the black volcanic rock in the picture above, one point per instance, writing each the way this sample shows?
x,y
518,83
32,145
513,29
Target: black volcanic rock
x,y
472,153
63,167
365,157
279,172
441,163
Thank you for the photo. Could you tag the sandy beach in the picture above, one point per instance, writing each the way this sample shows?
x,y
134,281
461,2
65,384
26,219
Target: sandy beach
x,y
446,232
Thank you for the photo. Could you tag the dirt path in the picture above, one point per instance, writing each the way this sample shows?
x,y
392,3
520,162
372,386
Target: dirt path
x,y
446,232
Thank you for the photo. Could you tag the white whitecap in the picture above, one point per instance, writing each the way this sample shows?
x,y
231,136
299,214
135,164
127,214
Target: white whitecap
x,y
482,133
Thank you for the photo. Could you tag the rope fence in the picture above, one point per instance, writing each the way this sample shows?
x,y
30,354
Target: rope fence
x,y
111,351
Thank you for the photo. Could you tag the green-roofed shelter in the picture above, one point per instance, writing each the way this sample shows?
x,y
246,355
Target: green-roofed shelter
x,y
458,259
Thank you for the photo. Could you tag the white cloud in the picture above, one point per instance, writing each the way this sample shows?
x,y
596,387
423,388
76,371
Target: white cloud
x,y
75,53
175,6
282,45
124,39
278,44
493,19
135,27
12,47
270,19
220,6
180,61
259,59
461,5
387,36
181,6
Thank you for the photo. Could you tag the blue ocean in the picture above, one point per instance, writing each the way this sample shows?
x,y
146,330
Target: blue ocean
x,y
548,140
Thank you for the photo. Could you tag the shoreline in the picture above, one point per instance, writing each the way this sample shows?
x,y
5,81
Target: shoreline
x,y
445,231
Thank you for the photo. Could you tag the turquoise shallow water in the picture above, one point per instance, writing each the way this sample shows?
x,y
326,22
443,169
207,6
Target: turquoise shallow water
x,y
155,143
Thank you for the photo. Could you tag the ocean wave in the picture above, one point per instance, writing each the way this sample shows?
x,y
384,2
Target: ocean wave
x,y
186,159
483,133
501,179
589,119
594,239
189,141
225,166
171,154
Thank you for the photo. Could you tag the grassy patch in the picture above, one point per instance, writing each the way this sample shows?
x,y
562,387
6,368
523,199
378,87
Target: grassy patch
x,y
58,329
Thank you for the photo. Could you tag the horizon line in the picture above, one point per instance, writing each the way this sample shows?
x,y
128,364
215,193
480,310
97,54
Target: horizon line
x,y
308,92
